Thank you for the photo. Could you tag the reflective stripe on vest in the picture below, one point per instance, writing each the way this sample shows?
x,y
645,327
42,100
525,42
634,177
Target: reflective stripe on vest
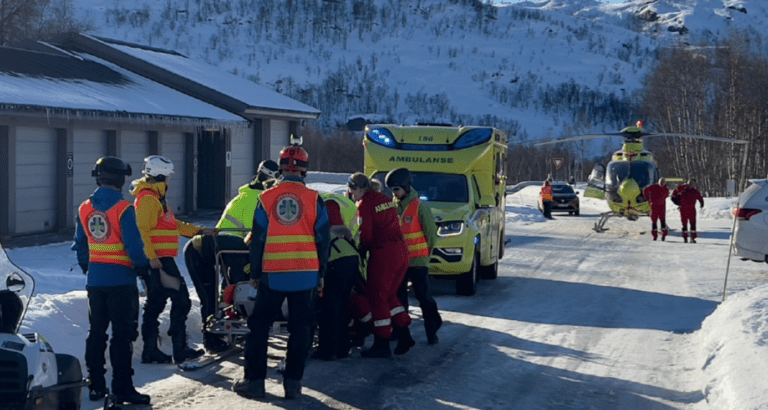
x,y
105,239
340,248
292,212
413,232
165,235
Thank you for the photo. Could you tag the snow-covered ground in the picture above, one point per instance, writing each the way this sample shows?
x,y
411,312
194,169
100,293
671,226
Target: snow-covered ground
x,y
576,320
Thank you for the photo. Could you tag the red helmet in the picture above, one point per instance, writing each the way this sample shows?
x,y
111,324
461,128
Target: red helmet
x,y
294,159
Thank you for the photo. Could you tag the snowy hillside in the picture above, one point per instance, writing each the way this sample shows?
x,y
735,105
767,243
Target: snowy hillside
x,y
536,69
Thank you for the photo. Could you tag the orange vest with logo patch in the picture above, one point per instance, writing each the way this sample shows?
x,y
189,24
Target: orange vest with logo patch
x,y
292,211
165,235
105,239
413,232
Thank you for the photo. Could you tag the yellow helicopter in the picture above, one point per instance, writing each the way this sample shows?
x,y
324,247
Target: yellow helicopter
x,y
631,169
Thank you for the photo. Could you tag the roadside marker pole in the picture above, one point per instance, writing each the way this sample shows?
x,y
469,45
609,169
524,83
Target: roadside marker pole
x,y
730,251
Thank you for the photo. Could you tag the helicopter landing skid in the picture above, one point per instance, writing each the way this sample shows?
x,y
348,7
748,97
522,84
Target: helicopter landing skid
x,y
600,225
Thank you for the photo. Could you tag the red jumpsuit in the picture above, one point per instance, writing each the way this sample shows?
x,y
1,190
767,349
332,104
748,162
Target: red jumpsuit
x,y
657,195
380,234
687,196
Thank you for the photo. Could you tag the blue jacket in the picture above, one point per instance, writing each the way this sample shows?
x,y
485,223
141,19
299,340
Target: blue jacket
x,y
289,281
102,274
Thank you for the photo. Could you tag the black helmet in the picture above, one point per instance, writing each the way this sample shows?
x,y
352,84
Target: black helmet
x,y
399,177
111,171
268,169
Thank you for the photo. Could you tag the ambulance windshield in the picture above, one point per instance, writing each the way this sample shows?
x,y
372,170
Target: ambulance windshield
x,y
436,187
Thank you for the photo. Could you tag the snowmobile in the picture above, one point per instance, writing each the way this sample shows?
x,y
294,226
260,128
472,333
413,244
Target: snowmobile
x,y
32,376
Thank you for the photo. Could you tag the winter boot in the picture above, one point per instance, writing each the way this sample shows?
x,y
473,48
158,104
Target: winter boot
x,y
664,233
181,351
655,234
97,387
252,389
432,338
151,353
292,389
131,396
404,340
380,348
125,393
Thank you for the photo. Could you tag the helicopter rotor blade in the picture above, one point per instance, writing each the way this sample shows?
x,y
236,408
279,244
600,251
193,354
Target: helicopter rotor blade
x,y
579,138
699,137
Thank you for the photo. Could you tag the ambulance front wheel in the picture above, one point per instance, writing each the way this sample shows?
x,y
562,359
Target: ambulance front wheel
x,y
466,283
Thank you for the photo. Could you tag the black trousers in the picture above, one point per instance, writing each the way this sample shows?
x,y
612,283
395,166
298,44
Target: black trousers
x,y
419,278
201,267
266,310
333,336
157,297
119,306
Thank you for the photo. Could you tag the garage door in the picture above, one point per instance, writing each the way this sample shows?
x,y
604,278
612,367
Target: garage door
x,y
279,138
35,180
173,149
88,146
134,148
243,166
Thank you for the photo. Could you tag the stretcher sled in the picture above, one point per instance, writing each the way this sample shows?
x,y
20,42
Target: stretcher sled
x,y
236,302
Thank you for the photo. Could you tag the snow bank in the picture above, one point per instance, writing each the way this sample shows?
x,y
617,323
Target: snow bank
x,y
734,351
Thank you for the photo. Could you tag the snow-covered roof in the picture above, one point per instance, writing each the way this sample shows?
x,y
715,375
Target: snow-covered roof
x,y
82,82
254,96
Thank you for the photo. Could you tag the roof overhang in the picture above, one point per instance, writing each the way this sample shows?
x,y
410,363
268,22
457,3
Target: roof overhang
x,y
252,112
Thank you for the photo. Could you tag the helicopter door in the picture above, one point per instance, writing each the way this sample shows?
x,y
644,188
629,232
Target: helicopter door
x,y
596,183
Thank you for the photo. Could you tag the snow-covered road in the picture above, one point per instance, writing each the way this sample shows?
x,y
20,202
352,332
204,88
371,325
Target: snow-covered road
x,y
575,320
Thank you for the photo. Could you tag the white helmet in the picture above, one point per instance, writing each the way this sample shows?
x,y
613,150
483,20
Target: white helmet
x,y
157,165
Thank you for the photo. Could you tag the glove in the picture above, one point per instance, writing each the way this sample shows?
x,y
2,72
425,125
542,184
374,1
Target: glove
x,y
142,272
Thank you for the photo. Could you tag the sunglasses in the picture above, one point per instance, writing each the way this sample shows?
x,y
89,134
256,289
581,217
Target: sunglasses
x,y
351,184
395,189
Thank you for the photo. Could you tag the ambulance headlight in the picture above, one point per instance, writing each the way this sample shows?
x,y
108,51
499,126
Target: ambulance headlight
x,y
381,136
448,229
473,137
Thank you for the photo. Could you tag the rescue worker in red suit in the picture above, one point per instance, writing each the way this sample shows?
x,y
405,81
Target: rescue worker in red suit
x,y
686,196
382,238
656,195
290,241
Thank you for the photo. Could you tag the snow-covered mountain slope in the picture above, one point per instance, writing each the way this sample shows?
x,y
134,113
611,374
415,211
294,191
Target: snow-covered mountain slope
x,y
536,69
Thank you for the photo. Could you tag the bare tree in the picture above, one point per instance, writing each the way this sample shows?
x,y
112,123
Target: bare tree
x,y
36,20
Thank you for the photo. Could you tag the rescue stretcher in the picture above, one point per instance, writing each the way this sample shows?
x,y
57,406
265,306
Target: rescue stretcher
x,y
235,300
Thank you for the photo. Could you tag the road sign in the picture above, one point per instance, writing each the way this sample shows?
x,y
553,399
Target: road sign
x,y
558,162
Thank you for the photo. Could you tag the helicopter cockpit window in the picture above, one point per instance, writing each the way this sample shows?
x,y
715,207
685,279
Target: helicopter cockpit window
x,y
642,172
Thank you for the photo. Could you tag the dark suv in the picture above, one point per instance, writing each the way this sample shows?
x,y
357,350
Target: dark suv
x,y
564,199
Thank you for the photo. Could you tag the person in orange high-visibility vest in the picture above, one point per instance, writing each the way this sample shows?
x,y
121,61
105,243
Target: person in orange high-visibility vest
x,y
546,199
160,230
290,240
110,251
420,231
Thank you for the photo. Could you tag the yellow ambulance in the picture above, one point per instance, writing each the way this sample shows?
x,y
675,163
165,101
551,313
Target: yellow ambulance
x,y
461,173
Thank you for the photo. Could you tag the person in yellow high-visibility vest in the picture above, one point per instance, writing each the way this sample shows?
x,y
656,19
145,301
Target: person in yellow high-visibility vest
x,y
343,271
200,252
420,231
